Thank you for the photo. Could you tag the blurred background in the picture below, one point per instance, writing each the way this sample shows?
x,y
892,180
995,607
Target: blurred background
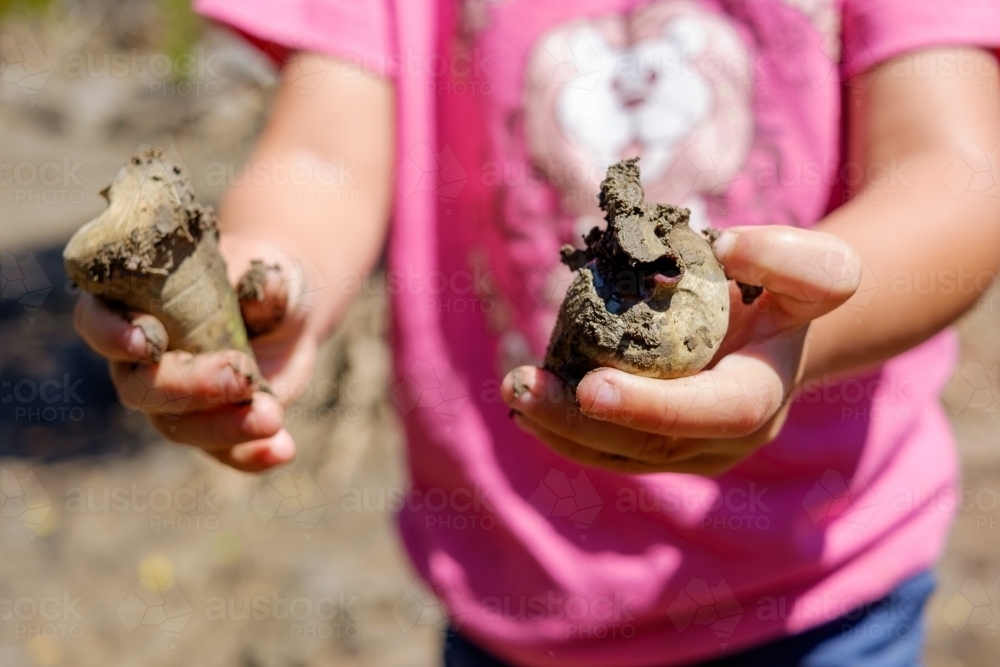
x,y
118,549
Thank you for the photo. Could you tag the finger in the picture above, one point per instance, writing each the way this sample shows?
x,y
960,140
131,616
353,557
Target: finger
x,y
576,451
745,324
288,367
544,400
628,451
541,398
223,427
183,382
263,295
732,400
753,322
259,455
119,334
805,273
702,464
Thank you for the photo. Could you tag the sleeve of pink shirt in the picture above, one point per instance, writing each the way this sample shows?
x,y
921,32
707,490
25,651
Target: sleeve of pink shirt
x,y
360,31
873,31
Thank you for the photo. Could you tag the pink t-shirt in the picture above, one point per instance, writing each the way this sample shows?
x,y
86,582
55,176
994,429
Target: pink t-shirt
x,y
508,113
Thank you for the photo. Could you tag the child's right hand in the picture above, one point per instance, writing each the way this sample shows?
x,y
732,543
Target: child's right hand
x,y
205,400
209,400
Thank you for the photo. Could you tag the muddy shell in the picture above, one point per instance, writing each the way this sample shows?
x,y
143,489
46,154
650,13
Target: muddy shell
x,y
649,297
156,250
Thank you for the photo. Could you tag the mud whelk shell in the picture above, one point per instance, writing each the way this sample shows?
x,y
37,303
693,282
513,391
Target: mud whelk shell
x,y
649,297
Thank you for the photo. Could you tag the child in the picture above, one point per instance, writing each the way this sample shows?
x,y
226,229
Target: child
x,y
780,508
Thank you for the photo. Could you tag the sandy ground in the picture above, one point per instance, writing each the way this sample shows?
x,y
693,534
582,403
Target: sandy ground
x,y
116,549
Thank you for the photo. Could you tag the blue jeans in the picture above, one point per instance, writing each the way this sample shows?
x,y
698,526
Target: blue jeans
x,y
885,633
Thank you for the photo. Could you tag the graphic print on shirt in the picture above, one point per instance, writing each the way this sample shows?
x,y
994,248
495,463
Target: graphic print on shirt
x,y
670,83
689,89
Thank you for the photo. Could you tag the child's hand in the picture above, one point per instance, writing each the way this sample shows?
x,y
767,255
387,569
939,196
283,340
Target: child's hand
x,y
706,423
206,400
210,400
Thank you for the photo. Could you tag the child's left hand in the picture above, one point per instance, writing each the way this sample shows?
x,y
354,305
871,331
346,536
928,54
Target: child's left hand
x,y
706,423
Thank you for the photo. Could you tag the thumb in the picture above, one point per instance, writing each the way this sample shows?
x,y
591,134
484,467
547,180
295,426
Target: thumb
x,y
805,273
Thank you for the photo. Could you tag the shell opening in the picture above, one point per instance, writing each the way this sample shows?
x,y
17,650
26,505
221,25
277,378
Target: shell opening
x,y
638,283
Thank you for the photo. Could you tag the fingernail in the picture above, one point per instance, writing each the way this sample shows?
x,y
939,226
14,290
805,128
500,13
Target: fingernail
x,y
137,343
522,385
724,244
282,448
518,387
265,411
154,341
239,384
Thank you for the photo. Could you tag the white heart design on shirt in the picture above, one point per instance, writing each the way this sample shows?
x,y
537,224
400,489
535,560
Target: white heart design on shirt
x,y
636,102
671,83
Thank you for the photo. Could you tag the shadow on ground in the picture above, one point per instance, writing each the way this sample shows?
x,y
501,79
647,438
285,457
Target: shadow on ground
x,y
58,401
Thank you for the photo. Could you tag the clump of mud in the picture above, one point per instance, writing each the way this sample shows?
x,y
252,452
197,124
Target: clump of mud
x,y
649,297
